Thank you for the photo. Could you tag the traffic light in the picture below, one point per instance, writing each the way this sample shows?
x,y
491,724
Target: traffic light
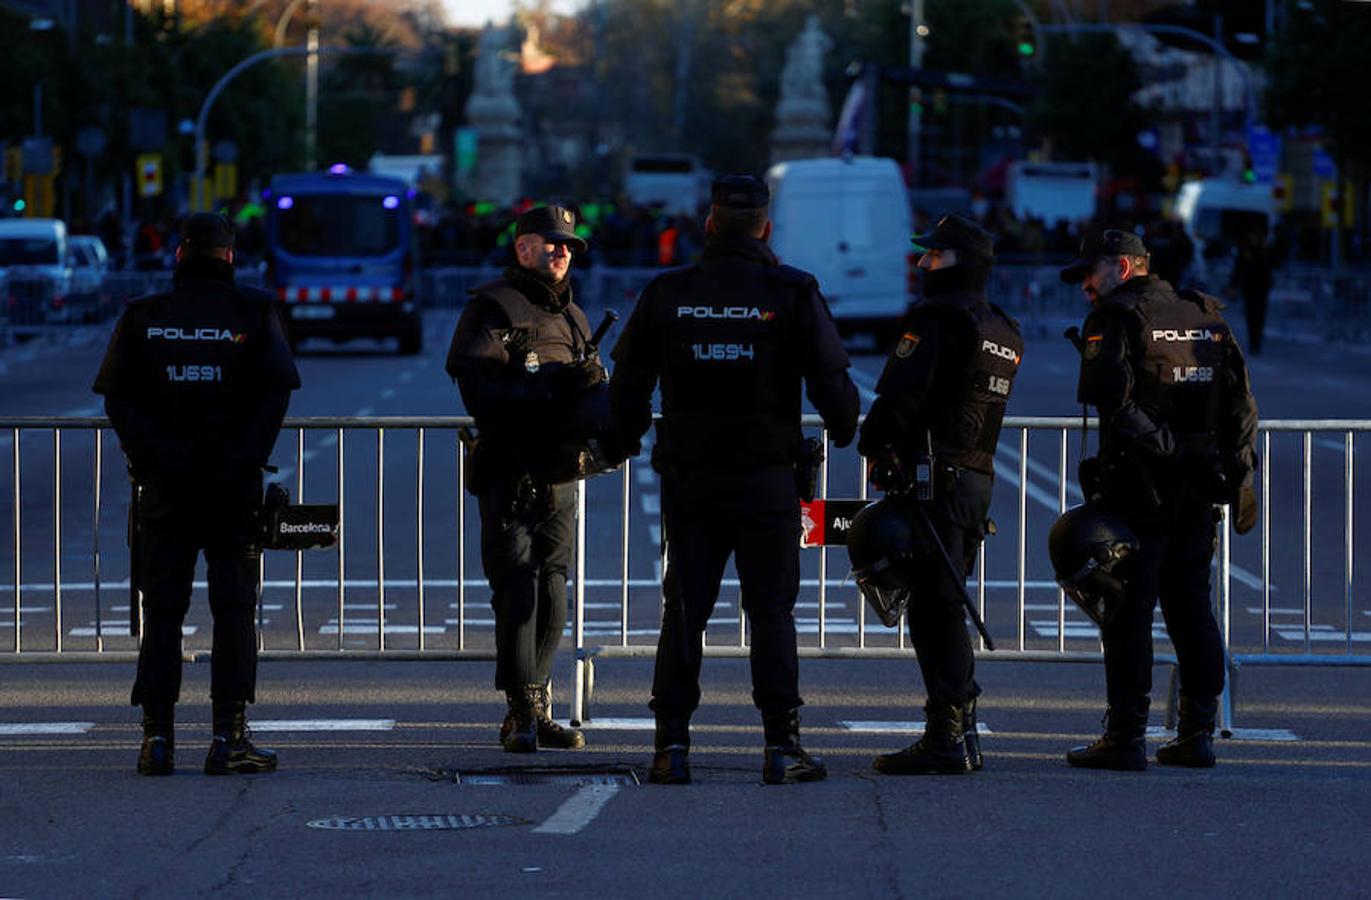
x,y
1025,38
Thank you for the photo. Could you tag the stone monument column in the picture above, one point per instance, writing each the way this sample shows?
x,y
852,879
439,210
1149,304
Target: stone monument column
x,y
494,113
803,117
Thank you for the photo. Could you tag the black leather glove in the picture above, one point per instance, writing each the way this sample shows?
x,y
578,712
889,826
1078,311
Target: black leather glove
x,y
1244,509
579,377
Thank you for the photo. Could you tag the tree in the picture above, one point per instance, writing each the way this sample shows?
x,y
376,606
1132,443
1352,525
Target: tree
x,y
1086,108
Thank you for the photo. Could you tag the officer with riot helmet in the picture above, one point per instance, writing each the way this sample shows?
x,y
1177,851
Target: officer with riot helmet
x,y
523,359
1177,436
930,440
196,382
730,339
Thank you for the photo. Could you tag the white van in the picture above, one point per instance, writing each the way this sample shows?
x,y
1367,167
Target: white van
x,y
1052,191
35,265
847,221
1216,214
675,182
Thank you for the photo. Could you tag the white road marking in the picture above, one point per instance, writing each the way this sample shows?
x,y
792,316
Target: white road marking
x,y
1323,634
620,724
388,393
579,810
645,475
652,504
364,412
1239,734
872,726
370,627
406,376
90,631
10,729
323,724
83,411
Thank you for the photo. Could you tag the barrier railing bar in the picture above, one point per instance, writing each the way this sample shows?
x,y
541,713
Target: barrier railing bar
x,y
419,536
299,554
625,509
823,551
461,546
1061,508
1308,465
1023,535
381,538
57,536
862,490
578,619
95,538
1348,449
342,540
1266,542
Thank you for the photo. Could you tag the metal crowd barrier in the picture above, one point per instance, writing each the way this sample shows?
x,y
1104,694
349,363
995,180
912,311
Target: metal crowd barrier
x,y
67,495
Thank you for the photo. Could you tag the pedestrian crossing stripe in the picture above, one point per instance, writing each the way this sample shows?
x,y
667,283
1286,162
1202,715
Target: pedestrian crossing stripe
x,y
275,725
870,726
13,729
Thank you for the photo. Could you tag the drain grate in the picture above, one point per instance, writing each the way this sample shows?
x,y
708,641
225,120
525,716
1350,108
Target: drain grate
x,y
431,822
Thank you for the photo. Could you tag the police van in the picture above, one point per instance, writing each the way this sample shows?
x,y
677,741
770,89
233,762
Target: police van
x,y
341,256
847,221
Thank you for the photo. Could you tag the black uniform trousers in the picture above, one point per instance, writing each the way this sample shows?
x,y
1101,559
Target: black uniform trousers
x,y
176,524
526,554
1173,565
936,613
708,515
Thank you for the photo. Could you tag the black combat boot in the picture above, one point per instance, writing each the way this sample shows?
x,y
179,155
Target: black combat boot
x,y
231,752
970,736
1193,745
784,761
157,755
1121,747
671,759
941,751
522,733
550,733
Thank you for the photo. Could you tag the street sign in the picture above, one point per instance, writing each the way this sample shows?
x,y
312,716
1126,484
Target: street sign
x,y
90,141
147,128
38,156
1264,149
148,174
225,151
225,181
1324,167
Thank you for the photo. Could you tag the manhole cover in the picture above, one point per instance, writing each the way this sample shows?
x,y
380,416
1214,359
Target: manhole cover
x,y
414,823
561,776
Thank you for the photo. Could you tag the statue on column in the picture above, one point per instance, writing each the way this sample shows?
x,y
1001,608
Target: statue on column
x,y
803,114
494,113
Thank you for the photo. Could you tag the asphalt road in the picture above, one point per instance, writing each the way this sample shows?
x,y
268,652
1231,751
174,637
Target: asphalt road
x,y
1283,814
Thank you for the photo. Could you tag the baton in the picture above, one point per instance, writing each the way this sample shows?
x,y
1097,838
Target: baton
x,y
611,316
135,552
957,577
1073,334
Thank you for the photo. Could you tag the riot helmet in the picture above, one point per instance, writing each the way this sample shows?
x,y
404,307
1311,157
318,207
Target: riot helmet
x,y
1087,544
885,544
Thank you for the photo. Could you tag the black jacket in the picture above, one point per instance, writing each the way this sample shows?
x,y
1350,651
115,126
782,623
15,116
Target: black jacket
x,y
1168,379
949,378
197,380
731,338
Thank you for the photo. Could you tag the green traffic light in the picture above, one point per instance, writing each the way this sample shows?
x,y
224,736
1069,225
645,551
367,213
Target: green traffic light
x,y
1026,48
20,206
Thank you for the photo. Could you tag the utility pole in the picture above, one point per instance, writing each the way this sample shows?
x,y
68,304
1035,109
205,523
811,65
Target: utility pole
x,y
918,31
312,85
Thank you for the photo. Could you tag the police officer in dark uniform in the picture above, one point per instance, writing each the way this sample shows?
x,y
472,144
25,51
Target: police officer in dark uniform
x,y
1177,436
939,403
196,382
730,339
522,359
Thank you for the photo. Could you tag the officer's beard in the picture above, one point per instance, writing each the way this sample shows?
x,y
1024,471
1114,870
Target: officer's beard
x,y
968,276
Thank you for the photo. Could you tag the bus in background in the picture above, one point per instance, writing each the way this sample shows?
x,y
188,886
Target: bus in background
x,y
675,182
341,256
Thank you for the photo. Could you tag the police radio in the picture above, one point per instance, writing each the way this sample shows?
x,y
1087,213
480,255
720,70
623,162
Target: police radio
x,y
923,472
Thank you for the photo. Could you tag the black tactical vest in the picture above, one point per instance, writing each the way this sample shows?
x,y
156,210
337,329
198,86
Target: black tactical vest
x,y
964,413
730,379
546,336
1184,343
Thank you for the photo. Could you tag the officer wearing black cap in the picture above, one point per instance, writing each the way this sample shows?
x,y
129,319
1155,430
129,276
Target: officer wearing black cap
x,y
937,413
1177,436
196,382
730,340
521,358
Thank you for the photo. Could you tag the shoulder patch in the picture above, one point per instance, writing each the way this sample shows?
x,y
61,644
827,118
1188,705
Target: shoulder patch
x,y
1093,343
908,341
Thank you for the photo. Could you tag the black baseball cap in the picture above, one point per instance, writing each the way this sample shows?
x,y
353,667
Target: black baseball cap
x,y
739,192
954,232
552,223
206,231
1098,244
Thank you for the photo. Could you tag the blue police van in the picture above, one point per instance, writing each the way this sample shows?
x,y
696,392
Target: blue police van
x,y
341,256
